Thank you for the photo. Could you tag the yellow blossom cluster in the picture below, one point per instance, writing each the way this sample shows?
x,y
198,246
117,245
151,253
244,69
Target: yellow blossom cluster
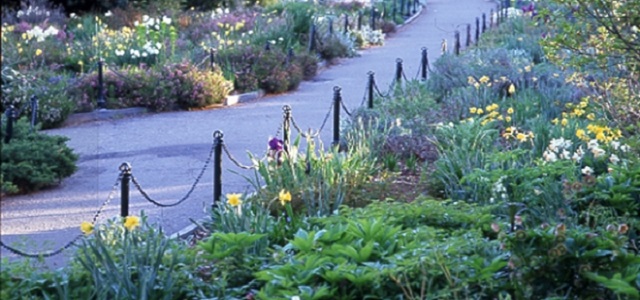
x,y
491,112
513,132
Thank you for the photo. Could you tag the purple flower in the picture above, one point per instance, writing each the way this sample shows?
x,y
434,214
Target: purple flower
x,y
276,144
529,8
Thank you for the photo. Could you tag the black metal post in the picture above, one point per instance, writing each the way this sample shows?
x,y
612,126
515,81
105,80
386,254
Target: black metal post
x,y
359,20
212,59
217,167
125,168
34,112
415,6
337,99
101,101
456,47
477,30
286,127
312,38
346,23
402,7
468,43
290,55
424,64
330,26
10,114
394,10
372,21
370,88
408,14
267,46
484,22
398,70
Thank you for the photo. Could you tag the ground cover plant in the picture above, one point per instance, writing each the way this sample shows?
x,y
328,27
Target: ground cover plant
x,y
507,178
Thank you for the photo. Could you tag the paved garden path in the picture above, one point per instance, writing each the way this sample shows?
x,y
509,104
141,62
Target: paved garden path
x,y
168,150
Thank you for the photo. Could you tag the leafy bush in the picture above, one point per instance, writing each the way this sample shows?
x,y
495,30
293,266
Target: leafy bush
x,y
176,84
49,88
32,161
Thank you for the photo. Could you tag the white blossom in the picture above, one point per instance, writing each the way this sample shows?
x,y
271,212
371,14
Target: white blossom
x,y
587,170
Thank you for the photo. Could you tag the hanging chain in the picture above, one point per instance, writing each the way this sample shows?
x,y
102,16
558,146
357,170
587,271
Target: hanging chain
x,y
317,133
111,195
344,107
193,186
235,161
74,240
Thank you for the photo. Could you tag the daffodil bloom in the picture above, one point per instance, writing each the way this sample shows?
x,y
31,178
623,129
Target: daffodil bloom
x,y
480,111
587,171
521,137
38,52
512,89
510,111
131,222
564,122
507,118
284,197
473,110
86,227
234,199
484,79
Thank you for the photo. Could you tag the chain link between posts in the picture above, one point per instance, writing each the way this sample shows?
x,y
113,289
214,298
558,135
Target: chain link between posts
x,y
146,196
310,134
74,240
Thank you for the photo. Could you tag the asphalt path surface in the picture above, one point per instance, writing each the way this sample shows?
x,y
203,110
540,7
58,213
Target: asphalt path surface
x,y
167,151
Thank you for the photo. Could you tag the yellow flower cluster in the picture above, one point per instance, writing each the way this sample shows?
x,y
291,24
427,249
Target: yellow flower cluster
x,y
512,132
492,113
602,134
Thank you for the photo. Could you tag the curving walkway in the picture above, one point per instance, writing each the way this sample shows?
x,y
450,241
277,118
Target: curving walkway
x,y
168,150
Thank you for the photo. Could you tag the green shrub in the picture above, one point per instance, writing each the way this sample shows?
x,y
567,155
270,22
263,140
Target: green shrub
x,y
571,262
31,160
180,84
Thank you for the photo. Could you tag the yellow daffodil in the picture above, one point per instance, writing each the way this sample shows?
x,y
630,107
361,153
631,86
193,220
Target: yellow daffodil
x,y
484,79
512,89
591,116
284,197
521,137
131,222
473,110
86,228
38,52
582,135
564,122
507,118
510,110
234,199
480,111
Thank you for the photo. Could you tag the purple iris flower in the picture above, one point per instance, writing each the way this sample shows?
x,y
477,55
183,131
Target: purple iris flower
x,y
276,144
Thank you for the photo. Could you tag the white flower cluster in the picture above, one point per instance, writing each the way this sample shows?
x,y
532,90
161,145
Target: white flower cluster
x,y
39,34
33,11
154,23
219,12
560,149
147,50
498,189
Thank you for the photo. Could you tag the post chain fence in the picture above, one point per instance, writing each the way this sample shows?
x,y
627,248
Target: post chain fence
x,y
310,133
74,240
146,196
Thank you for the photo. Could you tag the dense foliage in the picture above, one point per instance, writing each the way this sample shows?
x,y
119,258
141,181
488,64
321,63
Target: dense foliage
x,y
32,161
